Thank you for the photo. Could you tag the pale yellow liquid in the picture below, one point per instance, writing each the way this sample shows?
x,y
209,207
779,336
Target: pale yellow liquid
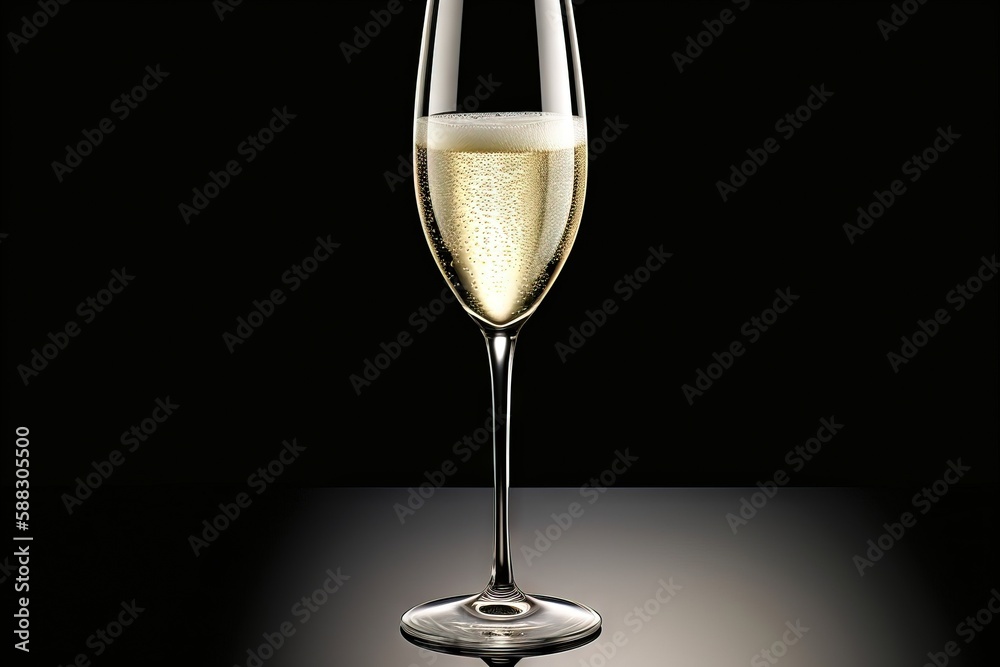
x,y
501,197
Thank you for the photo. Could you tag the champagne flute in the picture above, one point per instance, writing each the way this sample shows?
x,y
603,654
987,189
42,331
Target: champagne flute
x,y
500,156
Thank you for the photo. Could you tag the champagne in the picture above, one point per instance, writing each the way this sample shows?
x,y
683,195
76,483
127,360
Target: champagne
x,y
500,196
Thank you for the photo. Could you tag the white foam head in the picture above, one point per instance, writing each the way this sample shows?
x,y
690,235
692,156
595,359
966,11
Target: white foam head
x,y
522,131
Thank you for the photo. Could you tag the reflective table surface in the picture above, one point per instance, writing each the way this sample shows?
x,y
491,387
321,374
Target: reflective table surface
x,y
688,576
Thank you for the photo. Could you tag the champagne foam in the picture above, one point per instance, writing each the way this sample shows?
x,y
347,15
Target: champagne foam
x,y
501,132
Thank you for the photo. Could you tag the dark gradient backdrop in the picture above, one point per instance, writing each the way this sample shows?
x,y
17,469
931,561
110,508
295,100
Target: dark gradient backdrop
x,y
897,109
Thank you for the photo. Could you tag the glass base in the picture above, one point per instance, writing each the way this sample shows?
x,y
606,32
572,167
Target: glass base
x,y
513,626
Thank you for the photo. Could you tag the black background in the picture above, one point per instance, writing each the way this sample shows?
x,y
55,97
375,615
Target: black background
x,y
654,185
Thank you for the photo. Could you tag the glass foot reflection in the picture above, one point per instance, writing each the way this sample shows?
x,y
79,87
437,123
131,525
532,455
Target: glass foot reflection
x,y
500,631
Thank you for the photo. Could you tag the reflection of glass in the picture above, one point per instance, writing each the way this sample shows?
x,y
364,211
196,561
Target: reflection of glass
x,y
500,157
509,657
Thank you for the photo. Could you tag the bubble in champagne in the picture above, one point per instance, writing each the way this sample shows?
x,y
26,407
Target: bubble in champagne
x,y
501,196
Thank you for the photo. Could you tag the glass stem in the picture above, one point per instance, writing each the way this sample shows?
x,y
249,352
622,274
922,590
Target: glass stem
x,y
500,345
